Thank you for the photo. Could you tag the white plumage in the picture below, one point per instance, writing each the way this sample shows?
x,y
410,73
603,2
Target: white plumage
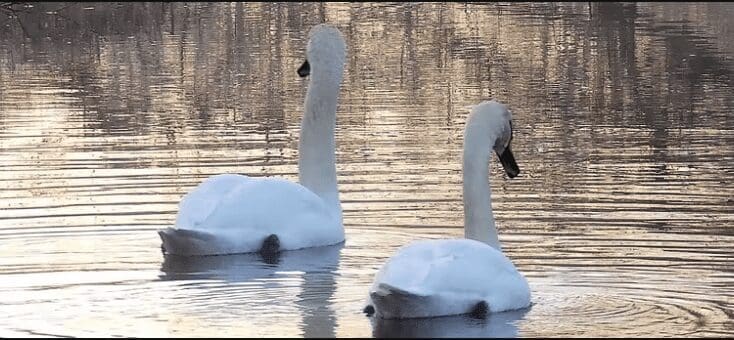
x,y
230,213
458,276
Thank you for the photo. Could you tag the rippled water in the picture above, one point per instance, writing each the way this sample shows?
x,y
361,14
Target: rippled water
x,y
621,218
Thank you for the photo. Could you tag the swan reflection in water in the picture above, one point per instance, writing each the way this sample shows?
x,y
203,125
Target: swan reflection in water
x,y
494,325
317,267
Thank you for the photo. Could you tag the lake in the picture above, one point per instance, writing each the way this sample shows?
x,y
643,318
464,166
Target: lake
x,y
622,218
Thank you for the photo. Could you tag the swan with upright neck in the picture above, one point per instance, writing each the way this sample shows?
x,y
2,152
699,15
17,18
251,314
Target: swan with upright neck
x,y
232,213
431,278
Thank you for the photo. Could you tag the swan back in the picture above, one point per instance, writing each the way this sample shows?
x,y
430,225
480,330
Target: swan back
x,y
447,277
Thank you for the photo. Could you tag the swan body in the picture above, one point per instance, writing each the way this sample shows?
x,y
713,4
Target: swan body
x,y
232,214
447,277
432,278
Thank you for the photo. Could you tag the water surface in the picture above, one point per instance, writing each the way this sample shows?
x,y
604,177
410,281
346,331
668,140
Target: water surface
x,y
621,218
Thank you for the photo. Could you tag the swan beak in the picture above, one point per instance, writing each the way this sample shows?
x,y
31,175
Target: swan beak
x,y
508,162
305,69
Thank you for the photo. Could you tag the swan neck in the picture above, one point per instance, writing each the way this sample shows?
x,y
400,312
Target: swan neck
x,y
316,148
478,217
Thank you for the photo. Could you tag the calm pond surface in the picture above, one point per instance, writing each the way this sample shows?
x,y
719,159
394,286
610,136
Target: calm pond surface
x,y
622,218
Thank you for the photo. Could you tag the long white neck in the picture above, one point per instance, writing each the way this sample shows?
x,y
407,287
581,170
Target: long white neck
x,y
316,148
478,217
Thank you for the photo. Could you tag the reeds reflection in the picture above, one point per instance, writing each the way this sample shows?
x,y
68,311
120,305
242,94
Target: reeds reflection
x,y
240,281
111,112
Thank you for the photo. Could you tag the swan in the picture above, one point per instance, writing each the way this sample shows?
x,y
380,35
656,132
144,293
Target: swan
x,y
431,278
232,213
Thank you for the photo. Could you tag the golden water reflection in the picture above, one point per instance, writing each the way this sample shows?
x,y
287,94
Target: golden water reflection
x,y
621,219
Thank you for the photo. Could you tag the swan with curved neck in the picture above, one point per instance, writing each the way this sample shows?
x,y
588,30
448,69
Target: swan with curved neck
x,y
231,213
432,278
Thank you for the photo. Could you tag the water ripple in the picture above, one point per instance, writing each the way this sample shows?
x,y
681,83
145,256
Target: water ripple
x,y
621,218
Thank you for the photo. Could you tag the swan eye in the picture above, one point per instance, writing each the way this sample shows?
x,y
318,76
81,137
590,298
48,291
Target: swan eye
x,y
504,141
509,139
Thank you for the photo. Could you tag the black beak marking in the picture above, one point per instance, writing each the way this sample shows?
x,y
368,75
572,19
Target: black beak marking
x,y
508,162
305,69
508,159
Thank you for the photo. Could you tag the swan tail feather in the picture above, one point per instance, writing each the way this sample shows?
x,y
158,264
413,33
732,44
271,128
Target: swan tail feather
x,y
385,289
183,241
480,310
392,302
270,246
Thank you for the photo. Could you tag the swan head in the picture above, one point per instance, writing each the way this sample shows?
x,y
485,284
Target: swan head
x,y
493,121
325,52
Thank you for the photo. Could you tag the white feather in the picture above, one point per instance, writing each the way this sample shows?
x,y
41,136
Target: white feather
x,y
450,277
230,214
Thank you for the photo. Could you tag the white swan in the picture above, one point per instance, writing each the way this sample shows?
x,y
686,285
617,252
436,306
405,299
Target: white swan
x,y
461,276
230,214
